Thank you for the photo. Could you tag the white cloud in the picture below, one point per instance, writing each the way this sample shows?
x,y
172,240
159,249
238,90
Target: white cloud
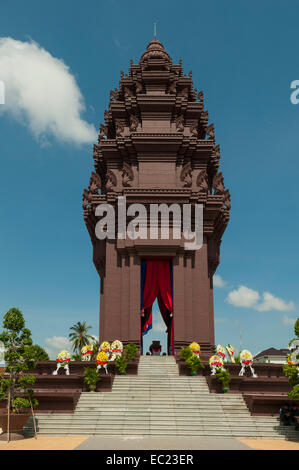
x,y
288,321
246,297
243,297
59,342
218,281
56,344
220,321
41,91
270,302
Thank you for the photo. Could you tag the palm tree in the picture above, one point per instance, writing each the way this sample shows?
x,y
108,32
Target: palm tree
x,y
79,336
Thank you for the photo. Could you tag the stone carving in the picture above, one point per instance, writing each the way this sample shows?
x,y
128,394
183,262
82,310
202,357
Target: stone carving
x,y
194,128
133,122
114,94
111,180
202,181
218,184
217,153
172,88
95,183
103,132
200,96
204,116
190,74
86,199
128,92
138,87
184,92
107,115
186,175
219,188
210,131
179,121
119,128
127,175
226,199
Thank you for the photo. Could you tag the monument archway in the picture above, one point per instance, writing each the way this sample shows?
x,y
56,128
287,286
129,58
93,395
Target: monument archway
x,y
157,283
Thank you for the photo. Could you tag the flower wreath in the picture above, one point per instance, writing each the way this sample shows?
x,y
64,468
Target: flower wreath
x,y
102,358
63,357
216,361
116,349
105,347
195,348
246,357
88,349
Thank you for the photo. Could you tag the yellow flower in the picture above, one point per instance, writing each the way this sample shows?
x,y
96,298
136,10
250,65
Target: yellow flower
x,y
102,357
88,347
63,355
105,345
195,346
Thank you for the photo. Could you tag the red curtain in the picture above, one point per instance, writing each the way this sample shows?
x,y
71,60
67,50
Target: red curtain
x,y
158,285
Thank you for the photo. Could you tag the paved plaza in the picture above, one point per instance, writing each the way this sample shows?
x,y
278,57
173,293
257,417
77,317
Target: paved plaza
x,y
148,443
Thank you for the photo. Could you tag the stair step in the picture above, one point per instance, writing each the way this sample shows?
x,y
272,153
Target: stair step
x,y
160,402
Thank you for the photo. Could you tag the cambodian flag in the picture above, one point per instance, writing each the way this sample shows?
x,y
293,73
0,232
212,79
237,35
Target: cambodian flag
x,y
148,325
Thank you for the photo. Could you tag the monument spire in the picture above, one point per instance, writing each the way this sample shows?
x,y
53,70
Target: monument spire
x,y
157,146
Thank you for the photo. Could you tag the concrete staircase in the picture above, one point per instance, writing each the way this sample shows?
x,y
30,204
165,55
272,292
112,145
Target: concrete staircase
x,y
159,402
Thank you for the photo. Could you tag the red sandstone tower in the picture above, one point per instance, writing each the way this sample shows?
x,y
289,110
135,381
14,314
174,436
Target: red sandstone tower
x,y
157,147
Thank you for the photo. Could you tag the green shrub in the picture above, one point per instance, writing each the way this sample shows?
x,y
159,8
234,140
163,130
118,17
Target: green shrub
x,y
292,373
91,378
130,351
121,364
185,353
294,393
224,377
76,357
194,363
237,359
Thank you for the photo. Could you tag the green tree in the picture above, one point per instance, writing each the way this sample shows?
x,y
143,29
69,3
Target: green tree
x,y
16,338
292,371
79,336
37,353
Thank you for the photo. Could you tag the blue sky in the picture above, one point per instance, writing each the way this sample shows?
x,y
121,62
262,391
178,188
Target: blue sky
x,y
243,56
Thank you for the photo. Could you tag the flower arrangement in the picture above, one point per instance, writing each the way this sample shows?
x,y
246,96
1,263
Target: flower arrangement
x,y
246,357
63,357
116,350
231,351
88,349
195,348
105,347
102,358
216,361
220,351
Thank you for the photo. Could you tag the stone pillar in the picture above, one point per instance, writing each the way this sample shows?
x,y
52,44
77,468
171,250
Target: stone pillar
x,y
178,301
110,326
134,292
